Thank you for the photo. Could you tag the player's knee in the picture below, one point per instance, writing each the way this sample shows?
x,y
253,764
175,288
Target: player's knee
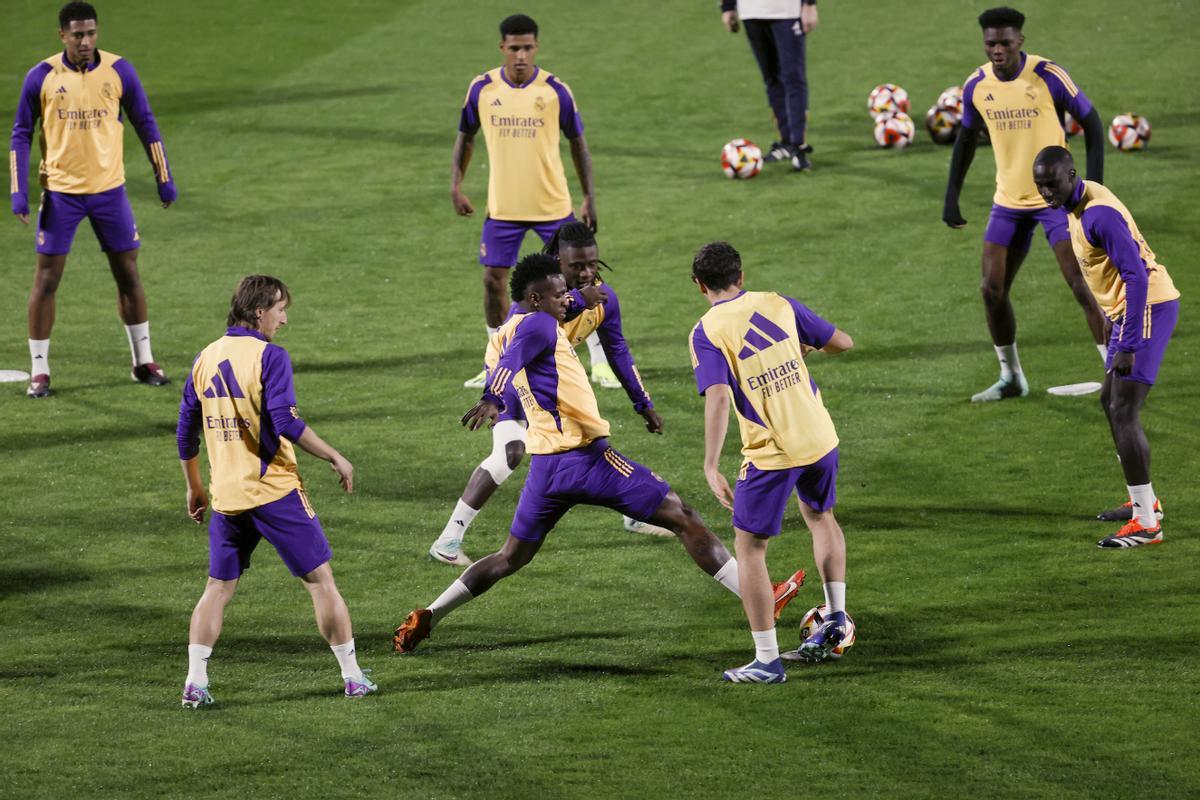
x,y
513,453
993,292
46,281
498,466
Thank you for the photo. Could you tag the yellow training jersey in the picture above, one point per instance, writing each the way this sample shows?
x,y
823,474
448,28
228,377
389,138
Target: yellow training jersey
x,y
752,344
521,126
1023,115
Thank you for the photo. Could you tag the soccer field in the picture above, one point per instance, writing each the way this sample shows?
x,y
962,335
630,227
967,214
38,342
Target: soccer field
x,y
999,652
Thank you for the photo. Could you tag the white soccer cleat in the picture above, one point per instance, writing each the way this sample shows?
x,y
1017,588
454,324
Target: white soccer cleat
x,y
1017,386
603,375
478,382
450,553
637,526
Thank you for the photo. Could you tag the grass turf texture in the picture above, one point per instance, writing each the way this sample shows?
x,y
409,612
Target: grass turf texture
x,y
1000,653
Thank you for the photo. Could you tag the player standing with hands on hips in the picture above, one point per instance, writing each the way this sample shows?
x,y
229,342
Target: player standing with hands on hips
x,y
81,97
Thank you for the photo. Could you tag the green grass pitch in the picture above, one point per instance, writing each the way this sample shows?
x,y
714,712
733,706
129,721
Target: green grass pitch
x,y
1000,653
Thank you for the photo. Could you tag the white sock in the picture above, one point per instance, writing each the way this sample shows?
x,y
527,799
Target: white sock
x,y
347,660
454,596
39,356
198,664
595,350
1143,504
727,576
1010,364
139,342
835,596
1103,348
456,526
766,646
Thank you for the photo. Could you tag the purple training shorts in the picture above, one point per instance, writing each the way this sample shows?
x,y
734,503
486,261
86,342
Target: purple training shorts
x,y
595,475
500,243
1013,227
1149,355
289,524
761,496
109,212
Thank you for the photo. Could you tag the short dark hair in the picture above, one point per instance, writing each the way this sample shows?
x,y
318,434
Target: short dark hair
x,y
254,292
1002,17
531,269
717,265
73,12
573,234
518,25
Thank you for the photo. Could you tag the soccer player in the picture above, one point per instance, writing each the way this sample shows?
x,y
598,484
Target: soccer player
x,y
240,393
751,346
81,97
572,462
521,109
598,312
1020,98
1141,301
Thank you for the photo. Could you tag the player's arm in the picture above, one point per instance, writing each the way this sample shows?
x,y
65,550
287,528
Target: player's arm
x,y
1093,141
817,333
464,147
712,376
187,439
137,108
571,125
1104,226
532,338
314,445
29,109
962,156
616,351
729,15
1069,97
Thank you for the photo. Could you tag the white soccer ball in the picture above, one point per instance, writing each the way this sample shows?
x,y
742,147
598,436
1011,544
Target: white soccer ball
x,y
741,159
894,130
951,100
1129,132
1071,125
885,98
813,619
942,124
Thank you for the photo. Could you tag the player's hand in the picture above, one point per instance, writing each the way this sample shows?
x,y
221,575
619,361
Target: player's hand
x,y
720,487
654,422
953,218
730,18
587,213
483,412
344,470
805,349
1122,363
197,504
462,206
24,218
808,17
594,295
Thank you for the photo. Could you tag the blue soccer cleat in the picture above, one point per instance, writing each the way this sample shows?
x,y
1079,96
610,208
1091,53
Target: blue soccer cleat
x,y
1015,386
195,696
820,646
757,672
361,686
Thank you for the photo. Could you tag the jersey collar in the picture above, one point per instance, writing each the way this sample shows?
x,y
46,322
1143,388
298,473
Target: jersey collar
x,y
730,300
996,75
532,78
91,66
1077,196
241,330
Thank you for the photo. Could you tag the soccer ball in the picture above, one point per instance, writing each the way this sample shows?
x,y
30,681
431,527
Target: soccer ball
x,y
951,100
894,130
942,124
813,619
887,97
1129,132
1071,125
741,158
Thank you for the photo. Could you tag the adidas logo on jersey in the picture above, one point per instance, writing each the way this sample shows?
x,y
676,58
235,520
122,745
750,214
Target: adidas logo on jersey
x,y
989,98
497,102
224,383
61,90
755,341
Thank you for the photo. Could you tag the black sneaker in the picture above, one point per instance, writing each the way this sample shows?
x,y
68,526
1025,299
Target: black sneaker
x,y
778,152
800,162
150,374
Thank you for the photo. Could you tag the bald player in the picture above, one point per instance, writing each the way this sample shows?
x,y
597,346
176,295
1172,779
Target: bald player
x,y
1142,303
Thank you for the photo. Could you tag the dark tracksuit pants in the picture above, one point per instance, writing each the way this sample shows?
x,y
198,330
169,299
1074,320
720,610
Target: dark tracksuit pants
x,y
778,46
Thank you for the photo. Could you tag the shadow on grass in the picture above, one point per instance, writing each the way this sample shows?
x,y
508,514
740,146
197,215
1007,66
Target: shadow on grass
x,y
32,440
20,580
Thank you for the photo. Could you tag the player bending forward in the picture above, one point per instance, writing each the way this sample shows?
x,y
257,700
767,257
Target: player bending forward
x,y
240,391
572,462
593,308
1141,301
754,343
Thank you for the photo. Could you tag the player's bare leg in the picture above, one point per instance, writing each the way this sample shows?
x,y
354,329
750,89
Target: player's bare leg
x,y
1000,265
1122,401
131,305
759,605
333,621
829,551
701,544
1069,265
495,295
46,278
203,632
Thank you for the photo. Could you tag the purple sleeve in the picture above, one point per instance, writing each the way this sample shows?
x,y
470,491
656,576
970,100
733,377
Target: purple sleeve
x,y
187,431
576,304
533,337
970,117
814,331
1067,96
568,115
29,110
468,121
279,395
612,339
708,364
135,105
1105,227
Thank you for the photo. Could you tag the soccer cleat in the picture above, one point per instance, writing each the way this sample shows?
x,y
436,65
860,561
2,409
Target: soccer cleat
x,y
603,375
478,382
150,374
800,162
778,152
785,591
362,686
825,639
413,630
39,386
1133,535
195,696
1125,512
757,672
450,553
1017,386
637,526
